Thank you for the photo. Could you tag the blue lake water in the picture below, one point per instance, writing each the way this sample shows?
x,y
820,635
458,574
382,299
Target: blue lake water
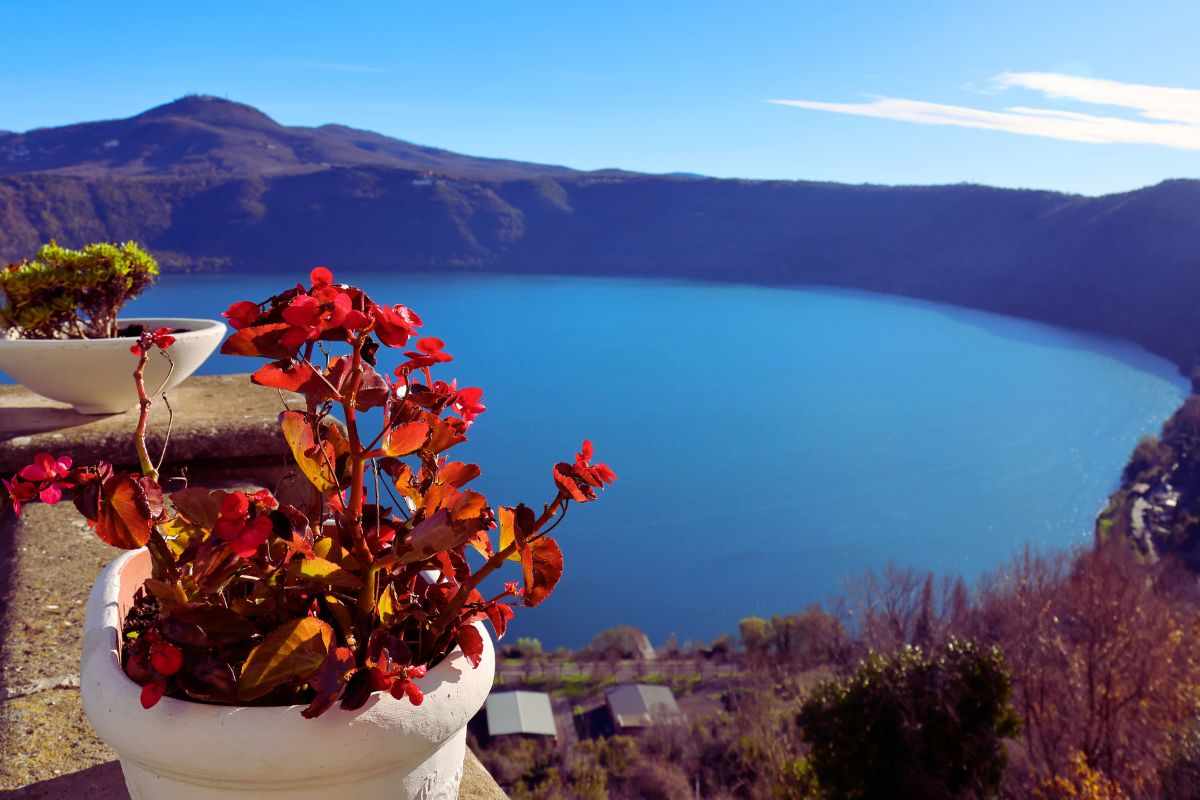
x,y
770,442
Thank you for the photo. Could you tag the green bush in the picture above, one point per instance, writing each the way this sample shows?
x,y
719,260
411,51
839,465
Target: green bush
x,y
913,724
63,293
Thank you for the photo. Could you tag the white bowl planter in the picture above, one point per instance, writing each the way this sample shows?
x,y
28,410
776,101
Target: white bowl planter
x,y
188,751
96,375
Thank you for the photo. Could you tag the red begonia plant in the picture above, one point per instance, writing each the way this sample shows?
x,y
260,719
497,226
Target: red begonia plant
x,y
320,596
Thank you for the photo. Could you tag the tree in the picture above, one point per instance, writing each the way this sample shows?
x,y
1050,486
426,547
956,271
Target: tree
x,y
621,642
1106,663
923,627
529,647
915,723
755,633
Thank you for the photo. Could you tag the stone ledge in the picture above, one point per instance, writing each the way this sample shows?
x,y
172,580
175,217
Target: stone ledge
x,y
216,418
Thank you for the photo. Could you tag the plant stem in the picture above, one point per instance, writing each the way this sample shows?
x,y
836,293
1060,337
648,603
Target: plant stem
x,y
139,434
357,460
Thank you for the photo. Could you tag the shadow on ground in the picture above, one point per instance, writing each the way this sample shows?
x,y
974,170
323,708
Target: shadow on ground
x,y
101,782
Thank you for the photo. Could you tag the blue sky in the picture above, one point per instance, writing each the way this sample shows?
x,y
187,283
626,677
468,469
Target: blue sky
x,y
663,87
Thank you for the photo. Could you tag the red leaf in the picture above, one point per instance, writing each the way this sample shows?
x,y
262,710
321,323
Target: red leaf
x,y
471,643
542,563
499,614
290,376
458,474
152,693
567,478
433,535
330,680
242,314
447,432
405,439
262,340
124,516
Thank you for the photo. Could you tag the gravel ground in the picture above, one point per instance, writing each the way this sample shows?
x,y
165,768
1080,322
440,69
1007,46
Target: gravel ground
x,y
48,562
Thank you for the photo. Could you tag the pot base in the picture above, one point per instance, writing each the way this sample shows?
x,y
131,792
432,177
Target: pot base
x,y
98,410
436,778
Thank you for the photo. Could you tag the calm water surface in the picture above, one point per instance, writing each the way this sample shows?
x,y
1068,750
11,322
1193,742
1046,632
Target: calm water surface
x,y
770,442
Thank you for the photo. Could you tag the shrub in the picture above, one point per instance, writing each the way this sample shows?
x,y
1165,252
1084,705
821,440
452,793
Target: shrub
x,y
1080,783
1150,454
528,647
913,724
659,781
63,293
623,641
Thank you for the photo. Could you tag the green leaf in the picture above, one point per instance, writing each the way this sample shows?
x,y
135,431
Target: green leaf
x,y
292,652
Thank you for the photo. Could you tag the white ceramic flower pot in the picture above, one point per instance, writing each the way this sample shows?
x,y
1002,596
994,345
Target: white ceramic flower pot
x,y
96,375
180,750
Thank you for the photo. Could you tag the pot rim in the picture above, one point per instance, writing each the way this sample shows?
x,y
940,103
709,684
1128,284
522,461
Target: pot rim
x,y
193,327
455,660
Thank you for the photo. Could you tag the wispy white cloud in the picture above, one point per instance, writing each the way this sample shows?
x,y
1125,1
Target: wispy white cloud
x,y
1163,116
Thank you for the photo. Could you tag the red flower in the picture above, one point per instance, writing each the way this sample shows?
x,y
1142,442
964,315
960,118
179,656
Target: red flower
x,y
594,474
431,353
45,478
242,314
401,689
252,536
19,492
161,338
394,326
467,403
580,480
235,526
320,276
303,312
46,467
166,658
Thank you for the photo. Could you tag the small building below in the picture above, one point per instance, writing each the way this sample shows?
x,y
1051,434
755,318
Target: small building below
x,y
521,713
640,705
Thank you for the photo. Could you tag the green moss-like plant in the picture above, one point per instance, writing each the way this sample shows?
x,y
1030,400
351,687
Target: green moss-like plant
x,y
73,294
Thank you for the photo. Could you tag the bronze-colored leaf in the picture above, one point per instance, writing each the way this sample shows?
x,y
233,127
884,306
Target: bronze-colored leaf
x,y
199,506
406,438
317,460
292,652
261,340
542,564
124,519
220,625
325,573
432,535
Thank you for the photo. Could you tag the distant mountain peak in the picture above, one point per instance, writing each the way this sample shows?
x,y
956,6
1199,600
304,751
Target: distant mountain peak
x,y
210,109
202,134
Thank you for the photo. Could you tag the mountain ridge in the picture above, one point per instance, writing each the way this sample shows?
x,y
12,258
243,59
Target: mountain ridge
x,y
196,182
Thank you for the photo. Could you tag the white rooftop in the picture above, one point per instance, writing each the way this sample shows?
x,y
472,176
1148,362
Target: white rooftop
x,y
520,712
636,705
